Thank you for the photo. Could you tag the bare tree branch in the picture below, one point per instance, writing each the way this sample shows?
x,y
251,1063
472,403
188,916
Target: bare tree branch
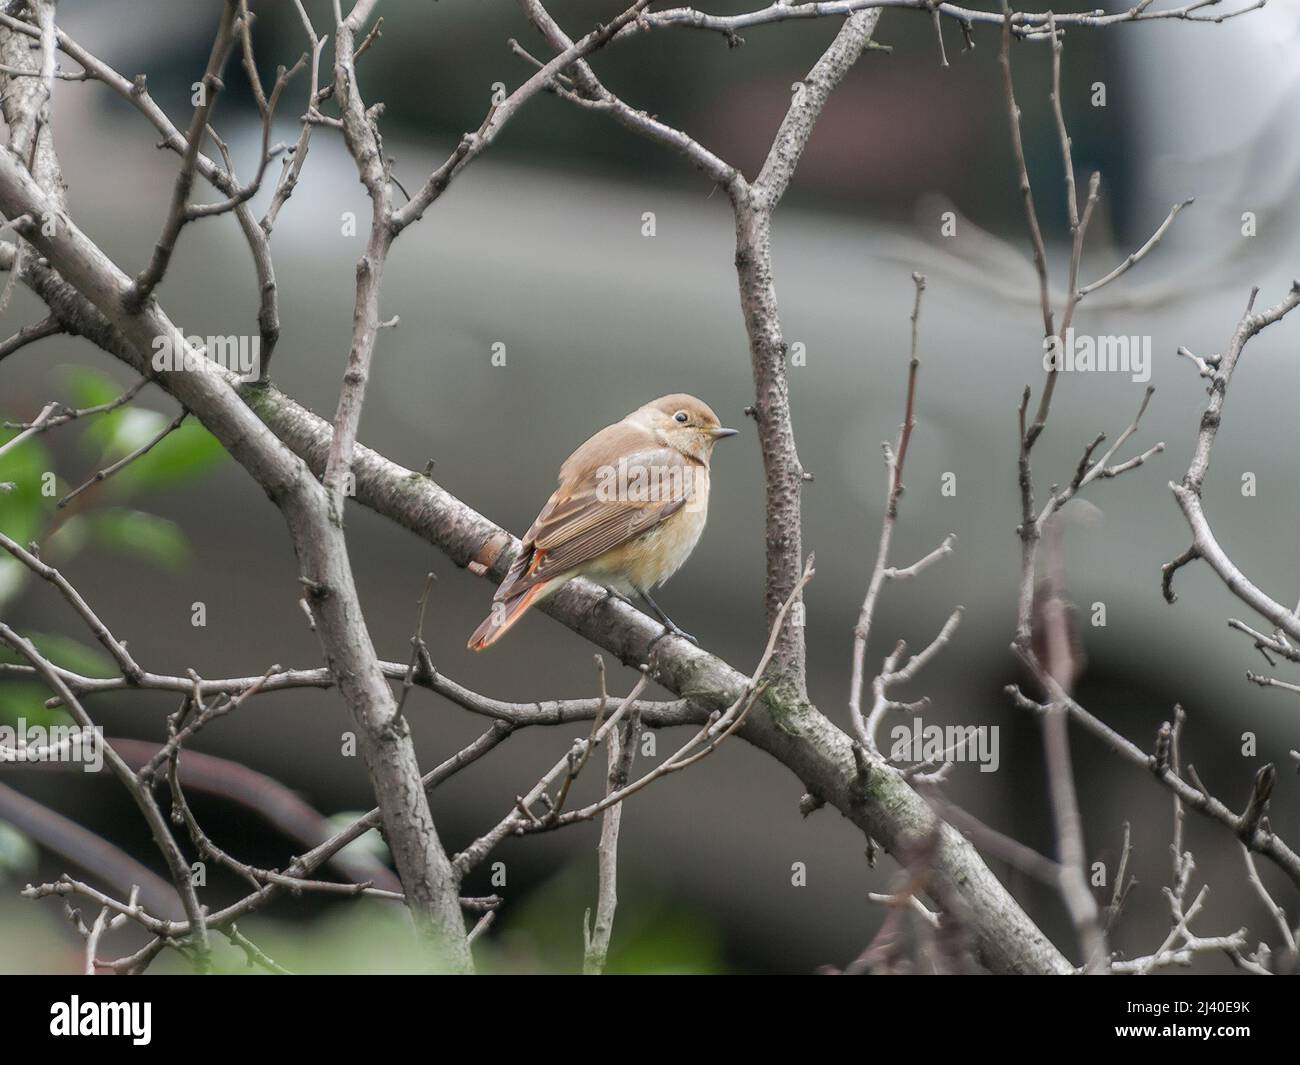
x,y
1188,492
426,873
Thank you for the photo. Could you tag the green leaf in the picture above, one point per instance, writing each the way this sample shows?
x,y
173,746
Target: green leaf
x,y
116,434
18,857
23,507
368,845
183,456
26,700
87,659
91,388
67,653
143,535
24,510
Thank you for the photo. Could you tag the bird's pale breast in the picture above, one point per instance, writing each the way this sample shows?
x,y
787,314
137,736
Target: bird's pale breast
x,y
650,559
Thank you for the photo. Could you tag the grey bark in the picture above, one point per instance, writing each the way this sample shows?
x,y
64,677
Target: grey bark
x,y
84,271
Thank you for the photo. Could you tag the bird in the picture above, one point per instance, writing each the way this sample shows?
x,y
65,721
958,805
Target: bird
x,y
630,508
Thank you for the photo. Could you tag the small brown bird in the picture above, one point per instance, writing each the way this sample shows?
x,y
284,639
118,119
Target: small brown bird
x,y
629,510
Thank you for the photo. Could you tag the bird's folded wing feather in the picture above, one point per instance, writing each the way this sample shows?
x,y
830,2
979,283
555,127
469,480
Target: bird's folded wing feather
x,y
584,518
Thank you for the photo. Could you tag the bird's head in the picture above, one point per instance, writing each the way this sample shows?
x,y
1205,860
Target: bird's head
x,y
685,424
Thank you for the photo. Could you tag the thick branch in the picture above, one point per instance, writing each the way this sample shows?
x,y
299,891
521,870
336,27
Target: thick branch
x,y
427,878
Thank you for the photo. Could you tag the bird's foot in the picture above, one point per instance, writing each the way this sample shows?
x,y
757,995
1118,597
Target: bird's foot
x,y
672,630
610,593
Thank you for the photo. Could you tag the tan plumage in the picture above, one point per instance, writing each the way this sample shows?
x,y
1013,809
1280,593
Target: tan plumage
x,y
630,507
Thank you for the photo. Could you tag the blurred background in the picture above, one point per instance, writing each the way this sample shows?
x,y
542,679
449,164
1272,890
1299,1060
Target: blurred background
x,y
540,247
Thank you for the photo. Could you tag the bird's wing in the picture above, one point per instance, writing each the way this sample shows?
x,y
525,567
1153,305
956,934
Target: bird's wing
x,y
584,518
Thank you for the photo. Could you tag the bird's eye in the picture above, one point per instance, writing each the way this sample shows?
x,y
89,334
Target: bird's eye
x,y
681,416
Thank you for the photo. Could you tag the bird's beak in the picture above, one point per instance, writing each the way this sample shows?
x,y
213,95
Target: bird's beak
x,y
719,433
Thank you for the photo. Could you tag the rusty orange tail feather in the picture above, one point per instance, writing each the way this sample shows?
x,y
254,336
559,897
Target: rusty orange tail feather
x,y
504,615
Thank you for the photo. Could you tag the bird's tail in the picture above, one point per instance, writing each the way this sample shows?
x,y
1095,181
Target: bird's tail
x,y
504,614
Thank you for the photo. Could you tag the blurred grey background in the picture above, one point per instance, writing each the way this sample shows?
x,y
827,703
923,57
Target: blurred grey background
x,y
539,247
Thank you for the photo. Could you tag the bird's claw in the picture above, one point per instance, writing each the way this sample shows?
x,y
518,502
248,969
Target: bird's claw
x,y
673,630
